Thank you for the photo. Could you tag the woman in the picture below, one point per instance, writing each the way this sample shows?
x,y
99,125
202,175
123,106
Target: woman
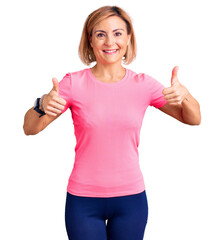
x,y
108,103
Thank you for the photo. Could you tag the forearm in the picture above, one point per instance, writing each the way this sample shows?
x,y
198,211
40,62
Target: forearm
x,y
191,110
32,123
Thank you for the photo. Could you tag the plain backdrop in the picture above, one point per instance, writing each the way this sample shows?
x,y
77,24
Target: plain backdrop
x,y
182,165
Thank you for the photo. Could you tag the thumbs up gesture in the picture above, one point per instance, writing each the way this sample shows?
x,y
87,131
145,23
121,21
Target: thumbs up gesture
x,y
177,92
52,103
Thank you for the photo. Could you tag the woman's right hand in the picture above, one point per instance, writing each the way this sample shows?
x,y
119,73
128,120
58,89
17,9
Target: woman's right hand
x,y
52,103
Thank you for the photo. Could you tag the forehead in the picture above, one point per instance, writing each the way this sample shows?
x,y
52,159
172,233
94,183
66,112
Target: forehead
x,y
110,23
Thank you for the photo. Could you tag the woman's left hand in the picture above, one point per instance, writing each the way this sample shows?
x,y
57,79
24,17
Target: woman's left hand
x,y
177,93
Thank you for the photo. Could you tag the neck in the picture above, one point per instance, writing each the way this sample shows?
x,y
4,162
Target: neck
x,y
111,72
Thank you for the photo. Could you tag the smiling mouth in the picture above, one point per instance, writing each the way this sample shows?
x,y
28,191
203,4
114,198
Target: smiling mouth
x,y
110,51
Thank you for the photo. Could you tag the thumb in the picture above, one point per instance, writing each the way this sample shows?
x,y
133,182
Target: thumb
x,y
174,78
55,85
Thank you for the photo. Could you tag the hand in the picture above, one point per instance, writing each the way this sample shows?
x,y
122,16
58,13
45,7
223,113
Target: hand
x,y
177,93
52,103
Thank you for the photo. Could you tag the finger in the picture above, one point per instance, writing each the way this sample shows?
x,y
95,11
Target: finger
x,y
168,90
58,99
174,78
174,100
55,85
61,101
52,110
51,114
56,105
170,96
175,103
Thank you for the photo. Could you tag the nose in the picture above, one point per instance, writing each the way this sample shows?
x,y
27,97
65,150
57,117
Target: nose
x,y
109,41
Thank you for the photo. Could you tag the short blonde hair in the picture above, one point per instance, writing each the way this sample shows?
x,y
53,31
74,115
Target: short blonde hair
x,y
85,50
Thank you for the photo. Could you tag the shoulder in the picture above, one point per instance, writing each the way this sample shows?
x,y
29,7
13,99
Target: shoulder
x,y
79,73
71,78
142,77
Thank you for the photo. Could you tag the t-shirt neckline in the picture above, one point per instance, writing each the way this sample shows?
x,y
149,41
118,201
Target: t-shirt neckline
x,y
112,84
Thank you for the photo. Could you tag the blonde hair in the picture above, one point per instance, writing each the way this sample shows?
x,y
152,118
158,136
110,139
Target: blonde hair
x,y
85,50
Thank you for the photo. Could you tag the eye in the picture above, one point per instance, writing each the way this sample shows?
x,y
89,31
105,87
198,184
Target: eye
x,y
118,34
100,35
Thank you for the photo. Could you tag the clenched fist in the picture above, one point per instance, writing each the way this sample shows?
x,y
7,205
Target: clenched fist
x,y
52,103
177,93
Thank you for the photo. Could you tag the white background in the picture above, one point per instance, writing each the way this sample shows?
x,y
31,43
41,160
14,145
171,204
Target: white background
x,y
182,165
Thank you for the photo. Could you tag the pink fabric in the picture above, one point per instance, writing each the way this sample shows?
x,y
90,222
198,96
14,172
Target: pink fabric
x,y
107,119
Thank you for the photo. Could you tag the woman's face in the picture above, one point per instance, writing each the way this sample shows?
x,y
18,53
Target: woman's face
x,y
109,40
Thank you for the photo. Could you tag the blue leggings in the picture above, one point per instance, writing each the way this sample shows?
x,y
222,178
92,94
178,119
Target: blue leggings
x,y
85,217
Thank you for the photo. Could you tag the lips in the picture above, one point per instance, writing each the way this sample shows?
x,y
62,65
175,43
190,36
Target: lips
x,y
110,51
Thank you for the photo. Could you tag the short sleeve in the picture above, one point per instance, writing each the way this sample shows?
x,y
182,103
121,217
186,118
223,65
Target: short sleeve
x,y
65,90
157,99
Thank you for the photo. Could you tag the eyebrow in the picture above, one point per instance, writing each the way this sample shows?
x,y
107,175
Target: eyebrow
x,y
113,30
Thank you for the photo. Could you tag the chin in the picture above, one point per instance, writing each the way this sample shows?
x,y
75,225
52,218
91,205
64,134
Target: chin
x,y
111,60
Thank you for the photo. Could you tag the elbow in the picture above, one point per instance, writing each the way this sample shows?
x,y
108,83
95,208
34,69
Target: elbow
x,y
198,118
29,132
194,119
194,122
197,121
30,125
25,130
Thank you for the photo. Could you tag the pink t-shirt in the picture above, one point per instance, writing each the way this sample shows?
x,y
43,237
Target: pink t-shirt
x,y
107,119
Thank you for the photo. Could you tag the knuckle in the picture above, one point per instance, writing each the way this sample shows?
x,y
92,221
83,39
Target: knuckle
x,y
177,95
62,100
51,102
54,98
48,113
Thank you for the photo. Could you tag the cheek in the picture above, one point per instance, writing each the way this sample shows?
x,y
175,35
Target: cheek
x,y
123,47
122,43
96,45
97,49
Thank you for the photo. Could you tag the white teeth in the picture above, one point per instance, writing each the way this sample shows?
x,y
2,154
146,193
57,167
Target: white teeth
x,y
110,51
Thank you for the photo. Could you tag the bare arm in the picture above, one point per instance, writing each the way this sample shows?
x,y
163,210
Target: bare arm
x,y
191,110
33,124
52,104
187,112
180,103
